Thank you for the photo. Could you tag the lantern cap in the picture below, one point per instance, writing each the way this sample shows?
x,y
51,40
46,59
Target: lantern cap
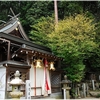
x,y
16,80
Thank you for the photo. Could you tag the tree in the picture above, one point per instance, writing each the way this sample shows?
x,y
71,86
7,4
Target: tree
x,y
39,9
74,40
41,30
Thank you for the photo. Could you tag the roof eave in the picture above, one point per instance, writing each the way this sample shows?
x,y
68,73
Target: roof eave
x,y
29,43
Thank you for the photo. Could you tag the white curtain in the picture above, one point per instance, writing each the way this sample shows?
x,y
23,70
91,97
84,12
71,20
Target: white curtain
x,y
37,75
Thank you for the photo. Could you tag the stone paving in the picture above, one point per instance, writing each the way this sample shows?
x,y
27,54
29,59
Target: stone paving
x,y
88,98
52,98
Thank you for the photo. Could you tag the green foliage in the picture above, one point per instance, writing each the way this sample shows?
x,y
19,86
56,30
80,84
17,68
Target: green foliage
x,y
76,71
5,9
94,59
40,30
69,8
74,41
39,9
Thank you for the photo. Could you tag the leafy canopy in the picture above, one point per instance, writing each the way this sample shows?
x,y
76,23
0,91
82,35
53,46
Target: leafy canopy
x,y
41,30
74,40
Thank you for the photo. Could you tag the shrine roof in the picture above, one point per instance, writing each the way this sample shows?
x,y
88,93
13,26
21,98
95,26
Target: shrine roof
x,y
14,32
14,27
12,63
8,31
29,44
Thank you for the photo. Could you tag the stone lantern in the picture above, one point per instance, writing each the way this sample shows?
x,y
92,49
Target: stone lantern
x,y
66,87
16,84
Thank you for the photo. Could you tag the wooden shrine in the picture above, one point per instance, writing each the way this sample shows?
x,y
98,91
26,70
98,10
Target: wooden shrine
x,y
17,52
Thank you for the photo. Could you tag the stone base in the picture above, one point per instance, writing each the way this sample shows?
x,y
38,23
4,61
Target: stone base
x,y
16,95
94,93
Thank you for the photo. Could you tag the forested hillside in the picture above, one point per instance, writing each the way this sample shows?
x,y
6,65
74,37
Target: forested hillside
x,y
31,11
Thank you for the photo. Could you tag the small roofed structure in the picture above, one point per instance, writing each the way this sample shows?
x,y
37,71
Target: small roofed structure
x,y
17,52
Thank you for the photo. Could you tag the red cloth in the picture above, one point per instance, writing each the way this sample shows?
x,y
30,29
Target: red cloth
x,y
45,63
46,81
47,86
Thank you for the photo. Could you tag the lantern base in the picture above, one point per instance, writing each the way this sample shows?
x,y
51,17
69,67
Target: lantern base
x,y
16,95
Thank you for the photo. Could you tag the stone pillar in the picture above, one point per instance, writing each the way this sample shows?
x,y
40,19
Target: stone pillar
x,y
84,89
87,89
99,77
66,92
93,85
78,91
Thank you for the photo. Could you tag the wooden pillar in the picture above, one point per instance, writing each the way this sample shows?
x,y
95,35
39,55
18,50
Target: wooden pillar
x,y
8,55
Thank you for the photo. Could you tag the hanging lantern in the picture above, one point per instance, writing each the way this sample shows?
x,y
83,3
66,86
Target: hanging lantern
x,y
52,66
38,63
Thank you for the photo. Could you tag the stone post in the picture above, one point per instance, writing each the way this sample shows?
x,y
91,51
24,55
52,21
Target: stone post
x,y
64,90
84,89
93,85
87,89
78,90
